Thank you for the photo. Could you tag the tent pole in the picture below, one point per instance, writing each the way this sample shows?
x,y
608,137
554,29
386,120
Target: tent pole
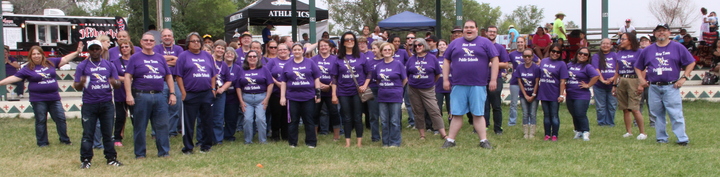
x,y
294,20
458,13
146,15
312,21
3,89
438,26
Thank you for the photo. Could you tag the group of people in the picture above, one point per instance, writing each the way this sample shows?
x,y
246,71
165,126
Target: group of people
x,y
205,93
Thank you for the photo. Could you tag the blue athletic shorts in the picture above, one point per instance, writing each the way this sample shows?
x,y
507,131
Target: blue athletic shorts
x,y
468,98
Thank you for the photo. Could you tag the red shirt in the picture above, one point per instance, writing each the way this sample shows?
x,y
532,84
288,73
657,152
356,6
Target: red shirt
x,y
541,40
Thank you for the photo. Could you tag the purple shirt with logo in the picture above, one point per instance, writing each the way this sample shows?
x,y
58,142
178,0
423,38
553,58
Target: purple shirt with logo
x,y
626,61
527,76
470,59
401,55
578,73
196,70
42,83
299,79
552,71
236,72
439,84
326,68
223,74
610,67
391,76
276,67
422,71
97,87
174,50
240,56
517,61
120,67
372,63
148,71
502,58
114,52
663,64
255,80
346,84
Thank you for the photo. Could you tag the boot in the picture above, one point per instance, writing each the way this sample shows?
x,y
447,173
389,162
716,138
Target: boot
x,y
526,128
532,132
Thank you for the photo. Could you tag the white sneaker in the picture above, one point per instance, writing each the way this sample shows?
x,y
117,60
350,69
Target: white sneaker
x,y
641,136
586,136
627,135
578,134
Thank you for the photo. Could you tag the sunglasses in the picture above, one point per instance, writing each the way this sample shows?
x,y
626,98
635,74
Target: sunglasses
x,y
349,40
527,56
148,40
194,41
273,47
555,51
583,54
418,45
252,56
410,37
125,47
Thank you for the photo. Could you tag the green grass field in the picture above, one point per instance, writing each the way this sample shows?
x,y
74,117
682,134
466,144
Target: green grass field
x,y
606,154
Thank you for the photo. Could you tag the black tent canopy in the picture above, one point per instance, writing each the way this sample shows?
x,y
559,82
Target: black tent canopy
x,y
277,12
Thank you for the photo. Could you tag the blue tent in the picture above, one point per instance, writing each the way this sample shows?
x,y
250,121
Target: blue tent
x,y
407,21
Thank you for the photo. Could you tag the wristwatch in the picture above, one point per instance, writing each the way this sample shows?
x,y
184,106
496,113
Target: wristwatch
x,y
172,93
534,94
686,78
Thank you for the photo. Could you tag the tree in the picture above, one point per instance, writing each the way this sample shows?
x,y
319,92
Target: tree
x,y
525,18
36,7
104,8
484,14
674,12
571,25
353,15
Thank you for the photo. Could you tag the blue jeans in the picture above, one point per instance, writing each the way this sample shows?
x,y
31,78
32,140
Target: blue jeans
x,y
174,111
97,136
218,117
254,108
667,99
374,114
151,107
514,97
551,119
605,104
351,108
578,110
92,115
41,110
304,110
408,107
390,118
198,106
529,111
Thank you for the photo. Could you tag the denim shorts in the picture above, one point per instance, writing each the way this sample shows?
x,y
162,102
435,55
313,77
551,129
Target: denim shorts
x,y
468,98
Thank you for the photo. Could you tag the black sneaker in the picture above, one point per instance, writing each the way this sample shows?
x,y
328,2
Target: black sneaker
x,y
683,143
485,144
85,164
448,144
498,132
187,152
114,162
204,150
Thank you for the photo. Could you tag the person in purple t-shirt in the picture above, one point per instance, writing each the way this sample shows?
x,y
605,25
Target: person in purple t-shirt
x,y
464,57
517,60
391,77
659,66
582,76
223,80
43,89
196,77
325,62
144,76
402,56
527,77
11,67
350,79
373,110
170,52
279,115
114,53
552,85
625,87
95,77
121,107
233,100
255,85
605,102
494,99
424,70
245,46
298,83
442,95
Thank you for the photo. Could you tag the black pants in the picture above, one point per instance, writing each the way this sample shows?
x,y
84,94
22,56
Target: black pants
x,y
198,105
279,118
121,114
351,108
304,110
91,114
493,103
332,114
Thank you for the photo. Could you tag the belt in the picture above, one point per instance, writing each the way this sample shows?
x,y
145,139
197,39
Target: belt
x,y
663,83
146,91
255,93
629,76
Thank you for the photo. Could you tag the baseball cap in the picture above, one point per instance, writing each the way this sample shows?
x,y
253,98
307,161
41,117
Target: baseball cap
x,y
93,42
457,29
663,25
207,36
246,33
432,37
627,20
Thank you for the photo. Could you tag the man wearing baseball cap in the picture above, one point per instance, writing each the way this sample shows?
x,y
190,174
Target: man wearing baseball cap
x,y
662,63
245,40
456,33
627,28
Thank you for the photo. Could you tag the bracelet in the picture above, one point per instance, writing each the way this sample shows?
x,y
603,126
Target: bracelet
x,y
172,93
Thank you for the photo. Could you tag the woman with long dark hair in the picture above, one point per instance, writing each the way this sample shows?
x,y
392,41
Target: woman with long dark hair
x,y
551,89
349,78
442,95
625,88
605,62
582,75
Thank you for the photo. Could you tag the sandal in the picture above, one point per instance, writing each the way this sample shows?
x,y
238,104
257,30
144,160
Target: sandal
x,y
422,137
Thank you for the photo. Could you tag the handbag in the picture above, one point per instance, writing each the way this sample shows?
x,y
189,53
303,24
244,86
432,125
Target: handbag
x,y
709,79
364,96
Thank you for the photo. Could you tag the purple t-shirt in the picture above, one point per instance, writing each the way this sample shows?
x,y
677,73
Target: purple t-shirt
x,y
368,55
578,73
235,72
517,61
97,87
422,71
326,67
391,76
527,76
372,63
610,67
240,56
174,50
664,64
255,80
9,69
502,58
346,84
401,55
626,60
120,65
439,84
470,60
299,79
223,74
42,83
148,71
114,52
552,71
370,40
276,67
196,70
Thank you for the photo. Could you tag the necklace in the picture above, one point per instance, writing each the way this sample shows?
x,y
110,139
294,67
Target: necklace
x,y
96,65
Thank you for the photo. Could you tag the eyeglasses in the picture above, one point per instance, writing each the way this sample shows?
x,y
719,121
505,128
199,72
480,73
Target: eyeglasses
x,y
387,50
194,41
583,54
410,37
124,47
555,51
527,56
252,56
282,49
148,40
273,47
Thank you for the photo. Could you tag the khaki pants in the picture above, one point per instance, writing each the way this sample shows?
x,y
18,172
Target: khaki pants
x,y
424,100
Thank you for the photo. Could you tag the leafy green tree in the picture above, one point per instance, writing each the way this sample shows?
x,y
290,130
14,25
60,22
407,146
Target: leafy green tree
x,y
525,18
353,15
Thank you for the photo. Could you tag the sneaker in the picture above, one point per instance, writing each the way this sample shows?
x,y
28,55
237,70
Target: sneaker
x,y
641,137
498,132
188,152
118,144
554,138
85,164
578,135
485,144
205,150
661,141
114,162
547,137
586,136
682,143
436,132
292,146
448,144
311,147
409,126
629,135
